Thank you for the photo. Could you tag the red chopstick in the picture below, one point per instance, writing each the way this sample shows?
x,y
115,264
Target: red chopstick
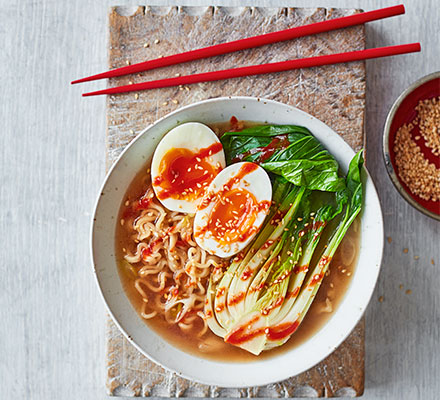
x,y
255,41
264,68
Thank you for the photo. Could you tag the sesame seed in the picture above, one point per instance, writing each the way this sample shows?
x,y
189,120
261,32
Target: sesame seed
x,y
127,62
132,131
175,101
389,239
165,103
416,257
380,299
405,250
146,45
136,96
416,171
408,291
156,41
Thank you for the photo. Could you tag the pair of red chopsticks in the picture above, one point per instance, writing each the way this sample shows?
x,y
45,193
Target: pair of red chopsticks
x,y
257,41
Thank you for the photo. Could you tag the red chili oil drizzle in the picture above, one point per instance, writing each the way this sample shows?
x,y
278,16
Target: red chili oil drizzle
x,y
239,335
147,251
257,288
293,293
247,273
142,204
267,310
300,268
178,176
278,143
278,332
316,278
239,257
236,125
282,331
236,299
181,243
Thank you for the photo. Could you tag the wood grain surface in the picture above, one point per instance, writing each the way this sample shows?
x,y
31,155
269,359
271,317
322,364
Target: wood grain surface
x,y
52,163
334,94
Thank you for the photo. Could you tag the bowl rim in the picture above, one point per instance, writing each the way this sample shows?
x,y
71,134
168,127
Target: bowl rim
x,y
355,320
386,142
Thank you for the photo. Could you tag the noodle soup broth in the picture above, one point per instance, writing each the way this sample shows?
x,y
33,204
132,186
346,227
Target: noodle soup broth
x,y
165,273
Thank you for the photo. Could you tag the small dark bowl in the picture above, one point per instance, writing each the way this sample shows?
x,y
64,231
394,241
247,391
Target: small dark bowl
x,y
403,112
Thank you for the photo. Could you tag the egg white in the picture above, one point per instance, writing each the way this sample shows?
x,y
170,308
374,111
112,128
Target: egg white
x,y
256,182
193,136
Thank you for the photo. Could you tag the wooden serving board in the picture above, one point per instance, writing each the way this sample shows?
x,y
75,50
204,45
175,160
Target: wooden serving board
x,y
334,94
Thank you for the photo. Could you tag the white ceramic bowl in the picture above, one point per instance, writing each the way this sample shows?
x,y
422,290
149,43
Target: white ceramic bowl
x,y
260,372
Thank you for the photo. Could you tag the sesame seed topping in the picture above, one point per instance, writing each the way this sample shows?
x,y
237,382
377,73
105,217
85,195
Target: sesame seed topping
x,y
416,171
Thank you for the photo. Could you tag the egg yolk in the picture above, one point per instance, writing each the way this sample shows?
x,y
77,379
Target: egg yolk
x,y
184,174
233,216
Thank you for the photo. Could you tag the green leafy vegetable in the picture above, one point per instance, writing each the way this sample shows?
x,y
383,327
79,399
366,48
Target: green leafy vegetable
x,y
263,297
287,150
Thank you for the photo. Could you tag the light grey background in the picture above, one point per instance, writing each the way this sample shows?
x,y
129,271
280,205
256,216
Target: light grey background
x,y
52,155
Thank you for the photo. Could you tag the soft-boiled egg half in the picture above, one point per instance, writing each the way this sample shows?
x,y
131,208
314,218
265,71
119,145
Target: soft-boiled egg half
x,y
233,209
185,162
